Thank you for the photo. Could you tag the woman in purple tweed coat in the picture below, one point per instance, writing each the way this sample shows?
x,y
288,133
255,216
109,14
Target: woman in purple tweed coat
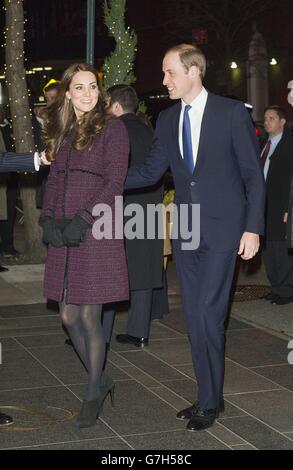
x,y
89,154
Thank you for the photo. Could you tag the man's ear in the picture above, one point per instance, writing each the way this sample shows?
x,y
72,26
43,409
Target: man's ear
x,y
117,108
194,71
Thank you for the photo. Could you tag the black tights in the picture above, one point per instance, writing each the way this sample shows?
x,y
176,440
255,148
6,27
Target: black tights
x,y
83,323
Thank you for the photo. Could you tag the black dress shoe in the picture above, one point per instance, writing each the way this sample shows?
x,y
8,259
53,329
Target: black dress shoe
x,y
10,251
5,420
68,342
270,296
192,410
283,300
138,342
203,419
2,269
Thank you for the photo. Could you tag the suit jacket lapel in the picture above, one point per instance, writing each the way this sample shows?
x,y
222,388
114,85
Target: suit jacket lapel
x,y
176,129
203,134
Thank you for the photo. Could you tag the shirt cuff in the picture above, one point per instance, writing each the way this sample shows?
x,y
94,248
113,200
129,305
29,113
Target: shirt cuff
x,y
37,161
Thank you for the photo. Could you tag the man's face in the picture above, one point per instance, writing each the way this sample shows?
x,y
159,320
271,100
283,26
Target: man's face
x,y
51,95
179,83
273,124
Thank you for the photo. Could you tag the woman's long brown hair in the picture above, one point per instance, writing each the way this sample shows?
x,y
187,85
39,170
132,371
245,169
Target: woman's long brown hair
x,y
61,118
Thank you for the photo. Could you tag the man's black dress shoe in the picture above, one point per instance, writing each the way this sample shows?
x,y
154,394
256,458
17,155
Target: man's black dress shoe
x,y
68,342
203,419
5,420
10,251
2,269
192,410
138,342
270,296
283,300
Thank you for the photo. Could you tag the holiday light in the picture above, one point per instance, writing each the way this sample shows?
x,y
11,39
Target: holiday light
x,y
118,67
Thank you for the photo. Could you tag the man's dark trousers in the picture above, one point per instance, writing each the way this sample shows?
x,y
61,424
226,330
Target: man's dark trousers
x,y
205,278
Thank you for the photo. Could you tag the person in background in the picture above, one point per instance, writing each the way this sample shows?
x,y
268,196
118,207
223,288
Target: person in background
x,y
277,162
144,256
10,183
19,162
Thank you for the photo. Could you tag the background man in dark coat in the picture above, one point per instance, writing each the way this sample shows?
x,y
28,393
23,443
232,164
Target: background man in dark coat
x,y
17,162
144,257
278,165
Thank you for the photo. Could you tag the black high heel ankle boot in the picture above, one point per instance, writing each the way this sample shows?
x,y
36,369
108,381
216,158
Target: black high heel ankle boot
x,y
89,412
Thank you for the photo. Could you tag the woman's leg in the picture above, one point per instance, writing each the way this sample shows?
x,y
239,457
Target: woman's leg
x,y
95,346
71,318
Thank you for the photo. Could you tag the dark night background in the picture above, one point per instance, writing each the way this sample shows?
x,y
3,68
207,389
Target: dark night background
x,y
56,36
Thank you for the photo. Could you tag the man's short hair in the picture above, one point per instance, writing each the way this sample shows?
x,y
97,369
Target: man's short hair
x,y
190,55
125,95
280,111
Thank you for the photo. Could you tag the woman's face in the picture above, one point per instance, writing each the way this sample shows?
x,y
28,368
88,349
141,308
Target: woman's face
x,y
83,92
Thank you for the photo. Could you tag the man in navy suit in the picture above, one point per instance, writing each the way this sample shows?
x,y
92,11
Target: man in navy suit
x,y
19,162
10,161
210,145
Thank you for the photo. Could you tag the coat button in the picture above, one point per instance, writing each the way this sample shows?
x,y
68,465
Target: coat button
x,y
193,183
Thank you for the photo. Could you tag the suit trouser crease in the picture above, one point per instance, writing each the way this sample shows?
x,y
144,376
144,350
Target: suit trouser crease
x,y
205,278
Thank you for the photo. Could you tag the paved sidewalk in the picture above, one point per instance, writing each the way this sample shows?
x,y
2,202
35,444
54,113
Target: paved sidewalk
x,y
42,380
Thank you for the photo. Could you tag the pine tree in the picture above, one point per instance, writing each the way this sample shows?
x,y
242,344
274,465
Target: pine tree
x,y
118,66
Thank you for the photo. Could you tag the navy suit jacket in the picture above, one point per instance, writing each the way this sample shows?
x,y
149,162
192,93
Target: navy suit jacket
x,y
10,161
227,181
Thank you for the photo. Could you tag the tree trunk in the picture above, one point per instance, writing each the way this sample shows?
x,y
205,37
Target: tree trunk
x,y
22,125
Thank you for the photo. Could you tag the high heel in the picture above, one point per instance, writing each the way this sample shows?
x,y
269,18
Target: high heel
x,y
108,388
89,412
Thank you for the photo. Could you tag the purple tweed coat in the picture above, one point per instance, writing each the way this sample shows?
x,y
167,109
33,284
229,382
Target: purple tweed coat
x,y
78,180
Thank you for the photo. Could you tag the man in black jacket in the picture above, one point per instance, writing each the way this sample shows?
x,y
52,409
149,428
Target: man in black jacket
x,y
144,256
277,159
19,162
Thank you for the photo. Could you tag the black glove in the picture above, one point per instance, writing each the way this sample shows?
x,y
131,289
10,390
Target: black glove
x,y
52,234
74,233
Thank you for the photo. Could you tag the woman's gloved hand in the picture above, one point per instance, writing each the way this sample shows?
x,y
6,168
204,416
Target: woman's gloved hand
x,y
75,232
52,234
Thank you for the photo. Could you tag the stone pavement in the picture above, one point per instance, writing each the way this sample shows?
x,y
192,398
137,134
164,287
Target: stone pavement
x,y
42,380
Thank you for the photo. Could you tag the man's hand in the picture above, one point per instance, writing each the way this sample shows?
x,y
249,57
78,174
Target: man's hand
x,y
249,245
285,219
43,159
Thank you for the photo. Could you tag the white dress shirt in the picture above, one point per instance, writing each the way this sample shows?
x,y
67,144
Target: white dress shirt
x,y
274,142
195,116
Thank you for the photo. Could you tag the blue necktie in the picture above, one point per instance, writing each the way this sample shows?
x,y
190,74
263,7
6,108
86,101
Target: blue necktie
x,y
186,140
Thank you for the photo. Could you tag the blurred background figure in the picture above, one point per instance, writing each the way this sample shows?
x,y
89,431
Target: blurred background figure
x,y
9,191
50,91
277,162
144,256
